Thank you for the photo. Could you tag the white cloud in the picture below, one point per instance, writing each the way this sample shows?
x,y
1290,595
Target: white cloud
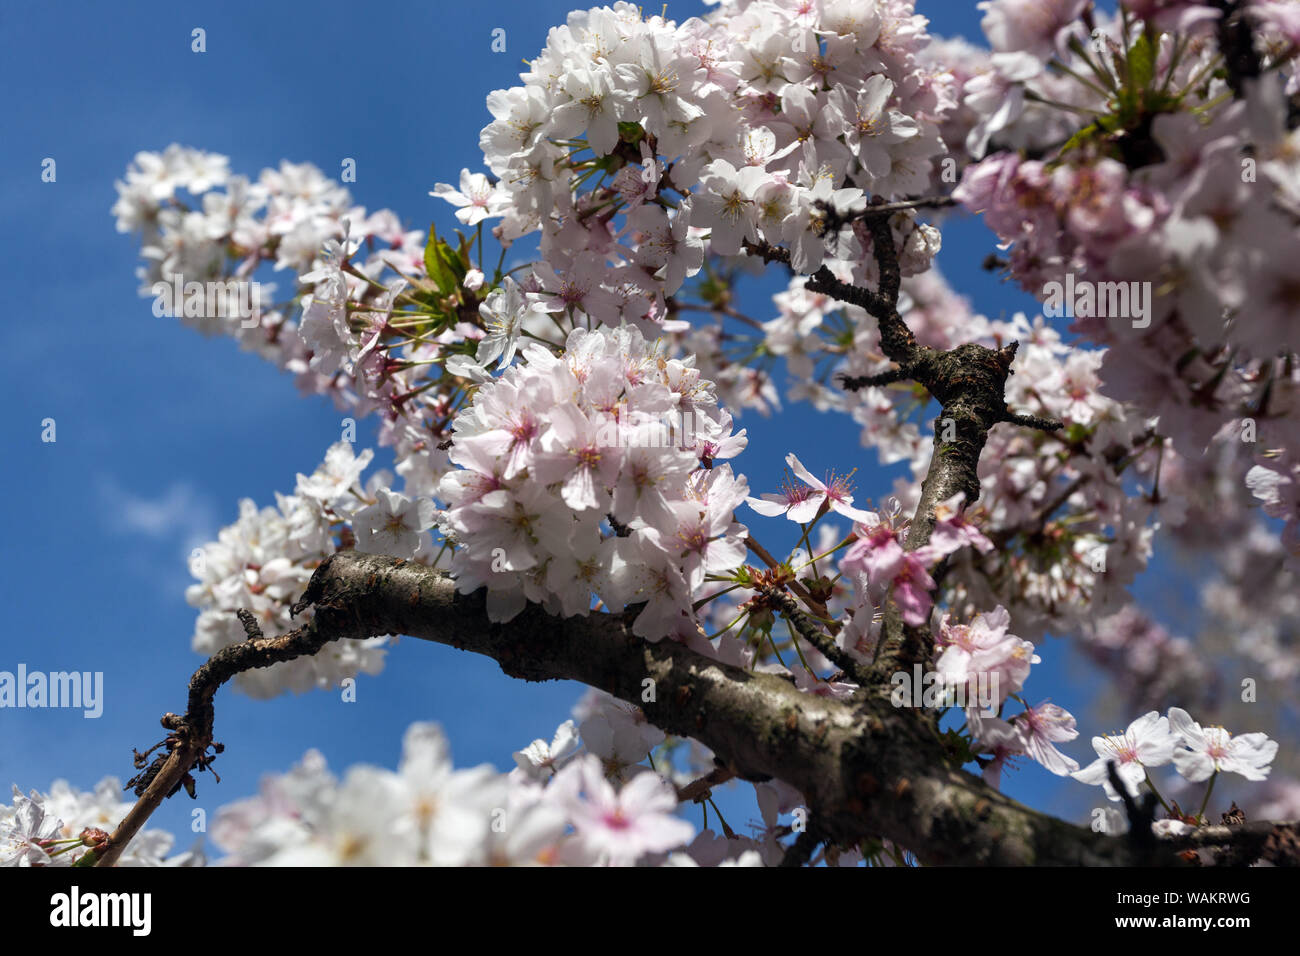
x,y
179,514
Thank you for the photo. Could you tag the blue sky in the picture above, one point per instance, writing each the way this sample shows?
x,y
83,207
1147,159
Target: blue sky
x,y
160,432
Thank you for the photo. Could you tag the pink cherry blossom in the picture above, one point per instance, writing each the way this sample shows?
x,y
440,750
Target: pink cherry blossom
x,y
802,503
617,827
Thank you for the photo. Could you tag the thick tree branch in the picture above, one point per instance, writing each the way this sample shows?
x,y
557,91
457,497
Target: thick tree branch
x,y
866,768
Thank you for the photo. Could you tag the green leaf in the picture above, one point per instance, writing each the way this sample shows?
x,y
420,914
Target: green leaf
x,y
1142,61
87,859
435,265
453,261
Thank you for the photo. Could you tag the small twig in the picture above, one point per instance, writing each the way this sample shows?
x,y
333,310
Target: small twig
x,y
191,735
853,383
766,251
807,628
878,304
887,209
1140,816
1033,421
817,607
251,627
698,790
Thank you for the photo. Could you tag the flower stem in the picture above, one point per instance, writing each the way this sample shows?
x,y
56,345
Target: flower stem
x,y
1208,790
1152,785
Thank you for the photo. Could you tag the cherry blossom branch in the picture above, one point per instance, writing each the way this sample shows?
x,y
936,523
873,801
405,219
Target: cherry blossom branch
x,y
968,381
698,790
817,607
191,735
866,768
807,628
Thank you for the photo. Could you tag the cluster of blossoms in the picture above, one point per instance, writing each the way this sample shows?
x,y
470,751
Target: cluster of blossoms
x,y
876,559
1149,665
879,560
262,564
635,140
738,103
1253,606
1197,753
424,813
283,218
988,664
1183,182
56,828
353,270
593,474
584,799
